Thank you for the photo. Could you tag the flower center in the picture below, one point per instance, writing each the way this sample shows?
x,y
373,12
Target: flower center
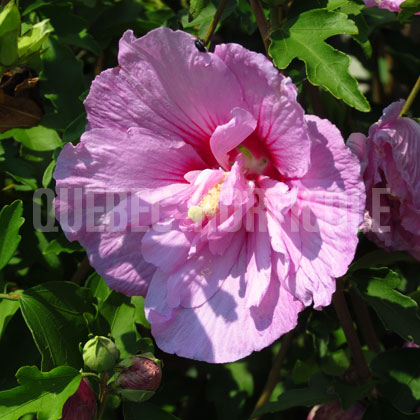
x,y
209,204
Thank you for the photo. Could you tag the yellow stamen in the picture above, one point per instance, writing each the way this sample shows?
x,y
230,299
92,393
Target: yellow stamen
x,y
209,204
196,213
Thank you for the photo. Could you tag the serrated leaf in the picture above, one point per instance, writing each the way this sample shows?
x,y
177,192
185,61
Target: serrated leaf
x,y
54,313
43,394
10,222
399,313
196,6
409,8
399,374
9,31
304,37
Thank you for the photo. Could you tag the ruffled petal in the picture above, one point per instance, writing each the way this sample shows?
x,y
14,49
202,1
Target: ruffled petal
x,y
403,137
227,136
164,83
331,203
214,332
272,101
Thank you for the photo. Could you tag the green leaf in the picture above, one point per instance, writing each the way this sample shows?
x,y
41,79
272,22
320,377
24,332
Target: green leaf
x,y
304,37
10,222
196,6
60,245
7,309
98,287
31,41
62,82
41,393
378,258
9,31
349,7
38,138
399,374
48,173
318,392
54,312
75,129
399,313
409,8
335,363
149,411
120,315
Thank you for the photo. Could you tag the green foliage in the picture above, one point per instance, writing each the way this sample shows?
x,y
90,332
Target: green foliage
x,y
304,38
55,313
9,32
398,312
319,391
52,301
39,138
10,222
409,8
399,374
43,394
7,309
196,6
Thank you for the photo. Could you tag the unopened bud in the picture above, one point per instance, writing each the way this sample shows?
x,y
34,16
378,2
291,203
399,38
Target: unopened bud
x,y
100,354
139,377
81,405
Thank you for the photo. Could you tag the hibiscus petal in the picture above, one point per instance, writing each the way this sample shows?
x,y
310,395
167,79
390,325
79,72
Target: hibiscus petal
x,y
164,83
402,134
202,275
227,136
272,101
214,332
331,203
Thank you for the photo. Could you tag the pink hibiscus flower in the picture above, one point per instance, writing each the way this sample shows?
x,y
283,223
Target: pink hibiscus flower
x,y
250,208
391,5
390,164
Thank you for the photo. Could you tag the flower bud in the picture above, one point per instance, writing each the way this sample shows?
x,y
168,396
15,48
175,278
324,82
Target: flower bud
x,y
333,411
139,377
100,354
140,372
81,405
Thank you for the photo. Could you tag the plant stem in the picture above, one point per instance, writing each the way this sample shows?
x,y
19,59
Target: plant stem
x,y
215,21
81,272
411,98
274,375
346,322
91,375
261,22
364,321
103,396
9,296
